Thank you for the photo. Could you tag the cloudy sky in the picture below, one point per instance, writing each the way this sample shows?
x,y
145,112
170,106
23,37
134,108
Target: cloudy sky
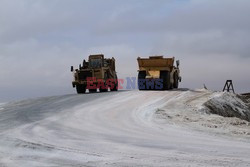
x,y
41,39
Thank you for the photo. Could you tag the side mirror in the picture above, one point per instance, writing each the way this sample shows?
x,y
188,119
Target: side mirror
x,y
80,66
178,63
72,69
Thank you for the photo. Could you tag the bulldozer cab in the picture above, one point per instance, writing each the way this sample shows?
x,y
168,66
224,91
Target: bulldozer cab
x,y
96,61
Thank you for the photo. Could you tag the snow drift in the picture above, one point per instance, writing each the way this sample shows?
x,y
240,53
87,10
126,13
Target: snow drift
x,y
228,105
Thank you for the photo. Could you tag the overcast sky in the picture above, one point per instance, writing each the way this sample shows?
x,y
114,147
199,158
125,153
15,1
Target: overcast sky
x,y
41,39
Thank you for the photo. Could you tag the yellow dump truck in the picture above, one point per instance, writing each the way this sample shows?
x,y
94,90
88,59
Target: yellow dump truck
x,y
96,73
157,72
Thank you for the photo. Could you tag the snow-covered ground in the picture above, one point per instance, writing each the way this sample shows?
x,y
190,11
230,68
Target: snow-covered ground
x,y
127,128
198,109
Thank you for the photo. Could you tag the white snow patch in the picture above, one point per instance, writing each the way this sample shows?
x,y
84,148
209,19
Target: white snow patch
x,y
190,109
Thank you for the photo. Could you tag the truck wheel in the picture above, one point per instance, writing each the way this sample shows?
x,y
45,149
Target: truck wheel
x,y
103,90
141,80
115,88
92,90
176,80
165,76
80,89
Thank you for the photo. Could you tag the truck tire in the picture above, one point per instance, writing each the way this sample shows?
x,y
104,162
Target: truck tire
x,y
176,80
80,89
92,90
141,77
165,76
103,90
115,88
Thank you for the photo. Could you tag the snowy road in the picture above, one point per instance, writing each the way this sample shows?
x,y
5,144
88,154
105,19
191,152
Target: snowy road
x,y
127,128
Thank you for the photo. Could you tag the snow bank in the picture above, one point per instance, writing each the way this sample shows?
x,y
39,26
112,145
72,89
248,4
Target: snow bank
x,y
205,110
228,105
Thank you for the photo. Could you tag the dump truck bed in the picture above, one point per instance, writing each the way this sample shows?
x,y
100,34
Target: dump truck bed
x,y
155,62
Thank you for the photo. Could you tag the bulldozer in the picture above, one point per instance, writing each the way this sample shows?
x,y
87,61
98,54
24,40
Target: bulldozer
x,y
158,73
96,73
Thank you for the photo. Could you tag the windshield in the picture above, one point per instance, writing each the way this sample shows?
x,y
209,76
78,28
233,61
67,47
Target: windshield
x,y
96,63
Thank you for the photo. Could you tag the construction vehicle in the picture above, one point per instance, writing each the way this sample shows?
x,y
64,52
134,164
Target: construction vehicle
x,y
157,72
96,73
